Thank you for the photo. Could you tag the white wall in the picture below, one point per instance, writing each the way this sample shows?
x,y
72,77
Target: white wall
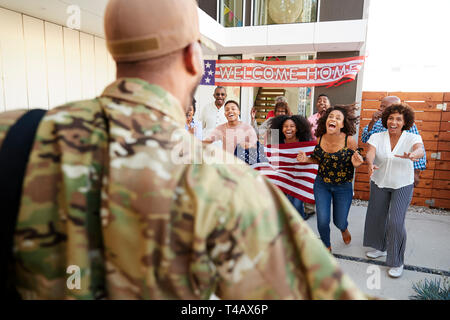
x,y
43,65
407,46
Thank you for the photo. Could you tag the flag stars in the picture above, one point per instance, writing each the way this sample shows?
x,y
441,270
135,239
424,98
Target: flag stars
x,y
208,65
210,73
207,80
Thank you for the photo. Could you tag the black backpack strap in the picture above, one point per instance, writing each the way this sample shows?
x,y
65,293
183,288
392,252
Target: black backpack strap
x,y
14,154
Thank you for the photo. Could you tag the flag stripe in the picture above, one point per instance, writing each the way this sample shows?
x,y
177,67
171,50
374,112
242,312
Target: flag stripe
x,y
284,171
276,177
306,180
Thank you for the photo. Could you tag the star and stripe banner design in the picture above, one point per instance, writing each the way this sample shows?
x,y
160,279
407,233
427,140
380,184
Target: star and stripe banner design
x,y
302,73
209,73
279,164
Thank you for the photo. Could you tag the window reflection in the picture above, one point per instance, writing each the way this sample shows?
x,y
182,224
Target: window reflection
x,y
231,13
284,11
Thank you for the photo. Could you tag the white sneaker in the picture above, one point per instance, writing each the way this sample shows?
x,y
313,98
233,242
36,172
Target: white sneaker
x,y
396,272
376,254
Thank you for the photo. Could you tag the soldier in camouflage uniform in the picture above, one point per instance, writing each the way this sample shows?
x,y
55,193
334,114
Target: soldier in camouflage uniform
x,y
112,188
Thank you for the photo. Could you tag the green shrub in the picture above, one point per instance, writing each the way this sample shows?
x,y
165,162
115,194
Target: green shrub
x,y
432,289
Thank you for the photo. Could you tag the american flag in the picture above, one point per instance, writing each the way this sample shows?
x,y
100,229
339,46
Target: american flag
x,y
279,164
209,73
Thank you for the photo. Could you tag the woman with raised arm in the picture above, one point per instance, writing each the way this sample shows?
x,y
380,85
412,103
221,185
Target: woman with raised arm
x,y
390,158
335,154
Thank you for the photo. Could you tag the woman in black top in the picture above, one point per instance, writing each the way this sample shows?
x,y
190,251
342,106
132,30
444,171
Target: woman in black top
x,y
335,154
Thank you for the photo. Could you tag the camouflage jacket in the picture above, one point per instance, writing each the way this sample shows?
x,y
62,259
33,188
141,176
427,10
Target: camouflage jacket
x,y
116,188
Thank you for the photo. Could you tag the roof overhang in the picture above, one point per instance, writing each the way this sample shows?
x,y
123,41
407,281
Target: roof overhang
x,y
283,39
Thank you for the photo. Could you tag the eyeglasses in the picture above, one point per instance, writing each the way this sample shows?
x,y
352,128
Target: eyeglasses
x,y
220,94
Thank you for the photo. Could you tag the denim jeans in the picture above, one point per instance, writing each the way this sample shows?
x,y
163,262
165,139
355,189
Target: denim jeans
x,y
341,195
298,204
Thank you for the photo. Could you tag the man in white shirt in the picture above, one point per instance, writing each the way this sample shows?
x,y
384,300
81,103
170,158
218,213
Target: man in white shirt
x,y
213,115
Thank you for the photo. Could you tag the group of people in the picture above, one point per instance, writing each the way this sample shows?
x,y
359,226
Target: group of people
x,y
395,157
101,195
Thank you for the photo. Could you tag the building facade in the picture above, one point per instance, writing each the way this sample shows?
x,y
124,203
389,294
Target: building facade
x,y
285,30
53,52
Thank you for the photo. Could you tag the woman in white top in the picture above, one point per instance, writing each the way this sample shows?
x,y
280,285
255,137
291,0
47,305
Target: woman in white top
x,y
390,158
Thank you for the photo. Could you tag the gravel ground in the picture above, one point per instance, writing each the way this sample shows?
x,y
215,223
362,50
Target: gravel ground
x,y
413,209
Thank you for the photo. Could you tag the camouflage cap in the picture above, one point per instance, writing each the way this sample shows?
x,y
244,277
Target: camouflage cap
x,y
143,29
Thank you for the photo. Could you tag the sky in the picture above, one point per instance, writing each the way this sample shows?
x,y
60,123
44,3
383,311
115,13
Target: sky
x,y
408,46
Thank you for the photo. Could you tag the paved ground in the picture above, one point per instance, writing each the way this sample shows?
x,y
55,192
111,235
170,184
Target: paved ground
x,y
427,254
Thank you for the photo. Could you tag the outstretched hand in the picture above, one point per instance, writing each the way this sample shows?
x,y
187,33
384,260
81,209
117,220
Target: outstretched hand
x,y
407,155
301,157
357,160
372,168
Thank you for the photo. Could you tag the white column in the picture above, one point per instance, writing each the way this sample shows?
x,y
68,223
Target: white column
x,y
247,99
362,52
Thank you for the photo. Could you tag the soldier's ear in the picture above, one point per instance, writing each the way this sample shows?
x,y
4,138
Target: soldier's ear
x,y
193,59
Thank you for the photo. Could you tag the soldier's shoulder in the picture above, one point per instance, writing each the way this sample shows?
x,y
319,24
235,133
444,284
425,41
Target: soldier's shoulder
x,y
8,118
86,115
81,108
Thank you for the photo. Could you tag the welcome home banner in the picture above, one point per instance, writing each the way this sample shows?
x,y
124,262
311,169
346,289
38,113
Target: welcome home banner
x,y
302,73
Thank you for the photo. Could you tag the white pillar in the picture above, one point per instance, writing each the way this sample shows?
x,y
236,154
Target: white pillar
x,y
247,97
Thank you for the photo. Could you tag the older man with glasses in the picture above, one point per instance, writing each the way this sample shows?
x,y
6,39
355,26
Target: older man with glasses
x,y
213,115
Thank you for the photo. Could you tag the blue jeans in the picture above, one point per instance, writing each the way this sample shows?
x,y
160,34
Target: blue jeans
x,y
341,195
298,204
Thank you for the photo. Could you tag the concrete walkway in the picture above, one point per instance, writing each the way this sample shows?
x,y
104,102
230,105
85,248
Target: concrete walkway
x,y
427,254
